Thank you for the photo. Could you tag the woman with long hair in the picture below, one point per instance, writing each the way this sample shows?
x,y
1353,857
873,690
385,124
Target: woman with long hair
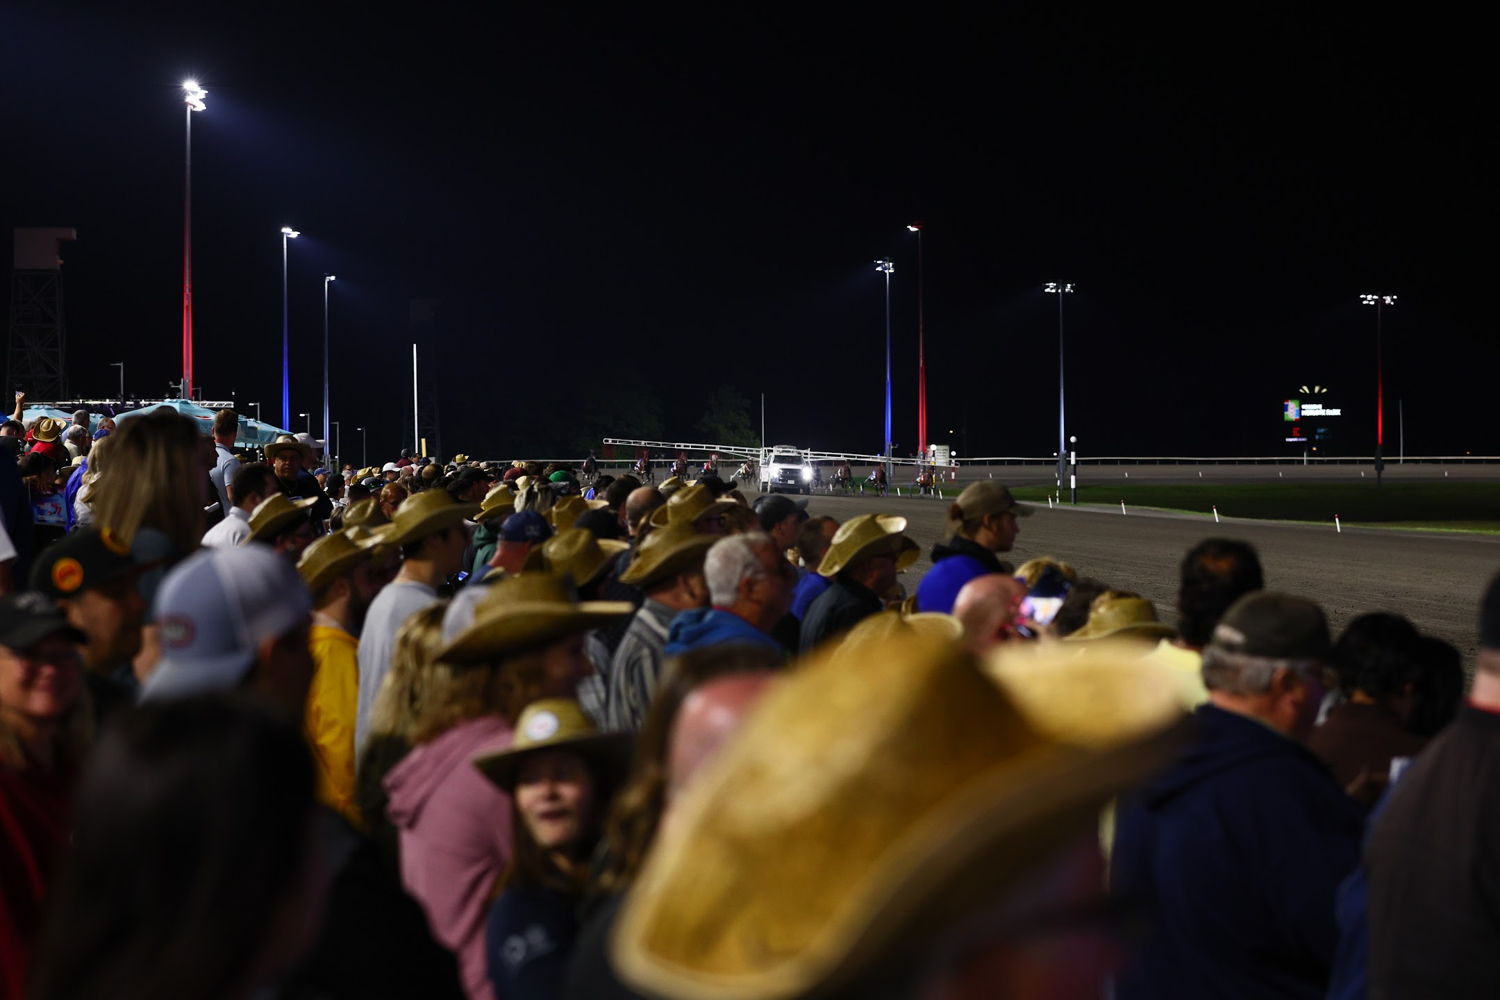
x,y
560,773
526,643
157,477
45,725
195,871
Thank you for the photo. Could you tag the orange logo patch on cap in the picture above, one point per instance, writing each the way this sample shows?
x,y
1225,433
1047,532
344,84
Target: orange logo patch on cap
x,y
67,575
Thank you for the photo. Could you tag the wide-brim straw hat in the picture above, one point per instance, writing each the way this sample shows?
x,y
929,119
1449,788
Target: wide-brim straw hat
x,y
866,535
870,803
893,623
556,724
47,429
1121,617
575,553
287,442
329,558
275,514
427,513
498,502
688,504
569,509
666,552
525,611
364,513
369,537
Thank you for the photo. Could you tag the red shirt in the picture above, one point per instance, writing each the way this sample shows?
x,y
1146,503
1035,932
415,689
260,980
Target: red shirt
x,y
33,831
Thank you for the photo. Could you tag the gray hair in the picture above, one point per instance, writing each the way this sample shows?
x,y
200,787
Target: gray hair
x,y
731,560
1239,673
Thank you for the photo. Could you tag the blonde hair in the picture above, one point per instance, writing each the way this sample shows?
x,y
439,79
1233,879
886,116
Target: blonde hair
x,y
504,688
415,673
160,479
96,468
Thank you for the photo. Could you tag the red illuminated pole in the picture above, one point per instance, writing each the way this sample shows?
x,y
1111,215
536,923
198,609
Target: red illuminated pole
x,y
193,97
916,227
1379,302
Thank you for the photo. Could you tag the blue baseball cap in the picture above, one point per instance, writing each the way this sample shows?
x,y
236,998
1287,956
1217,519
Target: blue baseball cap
x,y
525,526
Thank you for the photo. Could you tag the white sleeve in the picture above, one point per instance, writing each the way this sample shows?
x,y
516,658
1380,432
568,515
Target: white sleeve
x,y
7,547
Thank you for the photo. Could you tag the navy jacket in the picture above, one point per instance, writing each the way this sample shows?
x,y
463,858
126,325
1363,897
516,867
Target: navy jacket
x,y
1235,854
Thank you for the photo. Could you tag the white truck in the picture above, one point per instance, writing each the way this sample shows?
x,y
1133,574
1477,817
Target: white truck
x,y
785,467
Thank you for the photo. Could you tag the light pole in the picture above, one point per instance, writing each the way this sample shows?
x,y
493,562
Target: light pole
x,y
308,417
338,437
257,411
1060,289
120,365
1072,469
327,279
192,97
1379,302
287,233
364,448
887,267
916,227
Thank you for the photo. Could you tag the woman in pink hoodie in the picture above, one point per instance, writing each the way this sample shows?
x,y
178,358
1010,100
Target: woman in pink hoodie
x,y
526,643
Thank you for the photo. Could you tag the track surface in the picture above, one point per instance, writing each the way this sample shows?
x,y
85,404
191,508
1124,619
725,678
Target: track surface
x,y
1436,580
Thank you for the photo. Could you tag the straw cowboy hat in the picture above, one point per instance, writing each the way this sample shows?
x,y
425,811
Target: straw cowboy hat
x,y
275,514
47,429
575,553
1113,615
525,611
287,442
329,558
427,513
689,504
891,624
555,724
666,552
569,509
364,513
368,536
500,502
865,535
818,849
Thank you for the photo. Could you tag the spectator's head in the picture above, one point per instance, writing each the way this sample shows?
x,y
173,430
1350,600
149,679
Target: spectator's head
x,y
668,567
989,608
1074,612
283,524
429,528
392,496
986,514
226,428
1439,688
870,550
79,437
780,518
193,867
157,477
1125,617
813,538
1269,658
12,428
520,533
81,418
252,484
289,456
640,505
234,618
618,490
1215,573
710,714
1375,655
91,574
44,710
576,554
341,577
749,577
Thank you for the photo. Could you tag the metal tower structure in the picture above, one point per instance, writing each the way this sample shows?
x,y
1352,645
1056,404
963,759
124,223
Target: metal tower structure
x,y
35,358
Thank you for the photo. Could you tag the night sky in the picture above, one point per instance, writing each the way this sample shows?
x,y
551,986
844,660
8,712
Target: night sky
x,y
620,210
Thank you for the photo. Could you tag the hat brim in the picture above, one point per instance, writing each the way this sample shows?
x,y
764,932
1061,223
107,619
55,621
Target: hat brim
x,y
643,572
281,522
526,624
274,448
332,570
1151,630
669,513
433,522
37,629
908,552
504,509
611,750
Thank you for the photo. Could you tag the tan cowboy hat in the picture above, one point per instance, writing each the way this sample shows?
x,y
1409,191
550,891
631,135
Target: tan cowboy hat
x,y
1122,617
688,504
575,553
892,623
562,514
865,535
369,536
329,558
275,514
47,429
498,502
427,513
287,442
524,611
460,459
665,553
556,724
364,513
858,813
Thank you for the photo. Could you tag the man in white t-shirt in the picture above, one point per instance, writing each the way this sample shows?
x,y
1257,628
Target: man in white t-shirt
x,y
226,429
252,484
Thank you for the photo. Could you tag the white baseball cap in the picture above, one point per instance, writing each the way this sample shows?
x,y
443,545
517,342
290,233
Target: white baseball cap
x,y
214,609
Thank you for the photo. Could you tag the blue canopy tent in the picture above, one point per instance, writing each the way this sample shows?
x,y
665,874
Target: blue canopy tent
x,y
202,415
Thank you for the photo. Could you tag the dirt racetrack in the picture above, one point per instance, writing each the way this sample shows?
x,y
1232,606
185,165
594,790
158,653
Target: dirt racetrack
x,y
1435,579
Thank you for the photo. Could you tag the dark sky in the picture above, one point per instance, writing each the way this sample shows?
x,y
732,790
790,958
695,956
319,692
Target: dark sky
x,y
618,210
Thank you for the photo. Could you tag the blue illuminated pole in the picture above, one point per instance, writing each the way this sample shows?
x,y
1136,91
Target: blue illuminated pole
x,y
287,233
886,266
326,441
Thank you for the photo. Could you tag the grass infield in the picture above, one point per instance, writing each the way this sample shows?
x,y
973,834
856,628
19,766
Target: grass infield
x,y
1473,507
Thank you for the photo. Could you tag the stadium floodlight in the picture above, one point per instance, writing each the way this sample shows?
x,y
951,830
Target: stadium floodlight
x,y
887,267
193,95
1379,300
289,232
1060,288
327,280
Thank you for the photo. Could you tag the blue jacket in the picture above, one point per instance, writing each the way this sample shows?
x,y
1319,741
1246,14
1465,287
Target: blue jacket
x,y
808,589
1235,853
713,627
954,565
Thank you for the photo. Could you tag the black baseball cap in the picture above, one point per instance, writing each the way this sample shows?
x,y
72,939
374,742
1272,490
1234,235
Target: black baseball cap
x,y
1275,626
773,508
86,558
29,617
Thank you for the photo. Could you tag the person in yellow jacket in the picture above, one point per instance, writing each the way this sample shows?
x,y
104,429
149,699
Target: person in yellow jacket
x,y
343,580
